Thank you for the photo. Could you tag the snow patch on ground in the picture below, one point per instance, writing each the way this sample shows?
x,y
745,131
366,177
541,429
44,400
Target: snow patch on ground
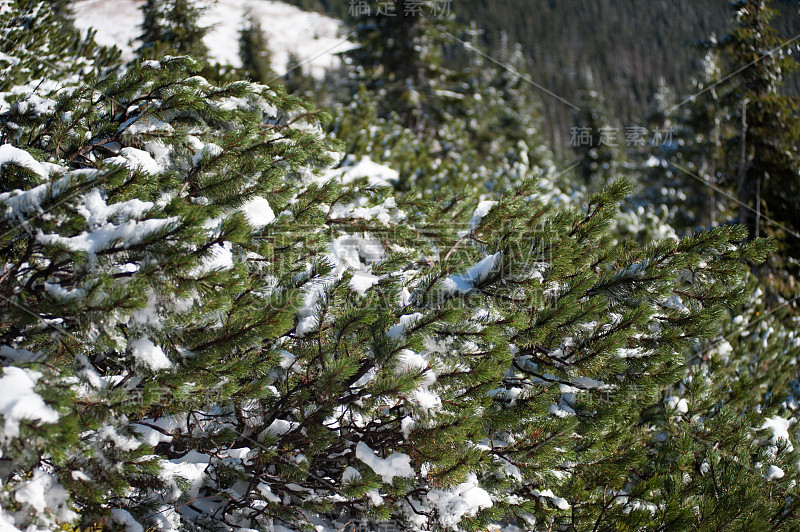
x,y
312,37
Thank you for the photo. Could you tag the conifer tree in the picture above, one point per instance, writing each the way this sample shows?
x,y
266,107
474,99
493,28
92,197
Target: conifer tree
x,y
769,129
171,27
481,125
254,51
63,10
34,53
399,57
740,132
762,144
202,329
682,174
595,140
724,434
297,80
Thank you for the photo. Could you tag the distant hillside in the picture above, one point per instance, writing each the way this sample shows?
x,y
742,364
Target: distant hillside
x,y
313,38
627,46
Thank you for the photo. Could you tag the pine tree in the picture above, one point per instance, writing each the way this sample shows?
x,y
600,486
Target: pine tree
x,y
762,143
476,129
400,57
767,128
254,52
297,80
594,139
202,329
682,174
724,434
171,27
63,10
737,136
32,49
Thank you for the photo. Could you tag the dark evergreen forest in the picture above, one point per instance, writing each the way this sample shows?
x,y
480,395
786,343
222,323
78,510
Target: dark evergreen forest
x,y
622,49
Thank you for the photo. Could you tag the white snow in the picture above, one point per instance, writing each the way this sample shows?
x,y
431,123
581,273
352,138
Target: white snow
x,y
266,492
307,319
140,124
220,258
123,517
408,360
11,155
20,356
97,212
407,320
773,473
136,159
587,383
676,405
377,175
354,252
191,467
108,234
481,211
384,213
258,212
312,37
206,151
148,315
351,475
168,425
59,293
558,502
287,359
125,443
19,402
43,492
363,281
463,283
780,429
426,399
465,499
149,354
396,465
375,497
279,427
561,410
19,204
